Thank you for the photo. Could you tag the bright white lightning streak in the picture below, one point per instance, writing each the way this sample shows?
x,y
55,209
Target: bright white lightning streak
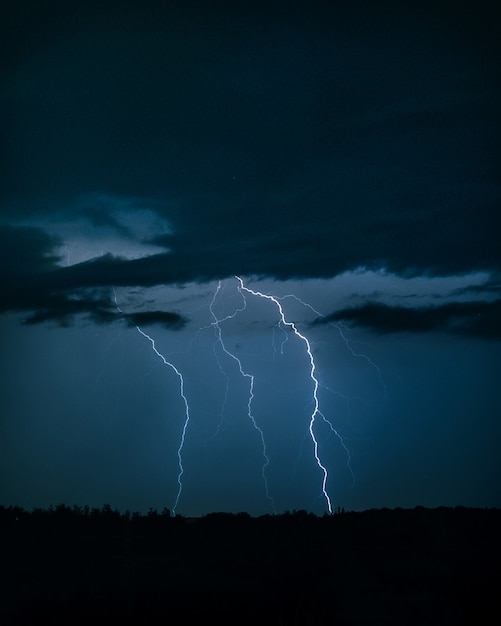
x,y
216,324
316,408
186,421
341,330
186,407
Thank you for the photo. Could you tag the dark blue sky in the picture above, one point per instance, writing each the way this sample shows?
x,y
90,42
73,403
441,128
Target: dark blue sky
x,y
345,153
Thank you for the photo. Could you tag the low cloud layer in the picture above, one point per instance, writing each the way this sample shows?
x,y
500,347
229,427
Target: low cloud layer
x,y
470,319
240,140
35,284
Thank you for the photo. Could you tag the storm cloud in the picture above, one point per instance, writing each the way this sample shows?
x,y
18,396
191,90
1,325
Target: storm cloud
x,y
471,319
33,283
273,146
342,157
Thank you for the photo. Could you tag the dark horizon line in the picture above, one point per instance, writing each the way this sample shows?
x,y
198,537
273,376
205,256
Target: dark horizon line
x,y
106,509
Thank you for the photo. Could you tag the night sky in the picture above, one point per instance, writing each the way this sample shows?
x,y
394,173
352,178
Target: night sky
x,y
340,157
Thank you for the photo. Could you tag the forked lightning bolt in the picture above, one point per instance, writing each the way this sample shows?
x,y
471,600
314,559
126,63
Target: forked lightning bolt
x,y
341,328
186,407
316,407
219,338
282,324
186,421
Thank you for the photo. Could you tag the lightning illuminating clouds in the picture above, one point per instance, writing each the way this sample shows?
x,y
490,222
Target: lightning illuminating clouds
x,y
343,160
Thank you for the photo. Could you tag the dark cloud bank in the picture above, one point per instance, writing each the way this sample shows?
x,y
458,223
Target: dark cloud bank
x,y
287,144
470,319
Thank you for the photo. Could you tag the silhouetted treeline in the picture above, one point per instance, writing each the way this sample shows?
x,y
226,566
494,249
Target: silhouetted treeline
x,y
108,521
402,566
64,519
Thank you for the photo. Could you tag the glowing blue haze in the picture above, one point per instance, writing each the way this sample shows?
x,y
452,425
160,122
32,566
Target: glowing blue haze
x,y
316,406
316,413
216,323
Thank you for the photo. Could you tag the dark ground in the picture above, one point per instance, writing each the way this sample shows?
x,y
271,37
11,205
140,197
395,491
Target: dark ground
x,y
380,567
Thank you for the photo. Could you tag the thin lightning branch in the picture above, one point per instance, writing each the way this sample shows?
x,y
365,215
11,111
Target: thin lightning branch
x,y
219,339
214,325
343,445
186,421
285,338
282,324
217,331
316,411
186,406
225,399
347,399
341,328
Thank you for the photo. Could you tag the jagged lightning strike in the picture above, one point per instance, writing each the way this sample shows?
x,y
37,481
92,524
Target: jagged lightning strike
x,y
316,412
186,406
341,328
186,421
316,406
219,339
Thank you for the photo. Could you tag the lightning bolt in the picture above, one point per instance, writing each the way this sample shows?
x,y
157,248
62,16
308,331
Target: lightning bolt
x,y
186,406
221,353
341,328
285,338
187,414
216,323
316,405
